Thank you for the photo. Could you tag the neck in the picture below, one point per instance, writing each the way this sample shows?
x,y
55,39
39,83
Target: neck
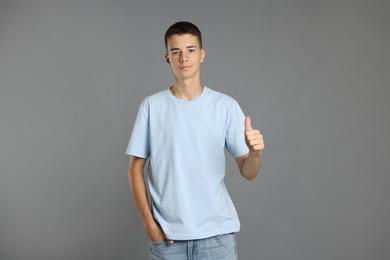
x,y
187,89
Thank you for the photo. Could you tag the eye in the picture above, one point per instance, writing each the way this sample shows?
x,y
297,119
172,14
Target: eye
x,y
175,53
191,50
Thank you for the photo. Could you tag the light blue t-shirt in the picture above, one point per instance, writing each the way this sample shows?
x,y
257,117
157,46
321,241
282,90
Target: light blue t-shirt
x,y
185,142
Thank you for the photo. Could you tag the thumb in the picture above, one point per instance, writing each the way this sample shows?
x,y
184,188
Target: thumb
x,y
248,123
169,241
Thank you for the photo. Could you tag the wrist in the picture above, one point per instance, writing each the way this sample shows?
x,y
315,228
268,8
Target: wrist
x,y
149,222
255,154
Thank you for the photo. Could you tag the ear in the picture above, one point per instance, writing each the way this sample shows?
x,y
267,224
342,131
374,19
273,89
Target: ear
x,y
167,59
202,54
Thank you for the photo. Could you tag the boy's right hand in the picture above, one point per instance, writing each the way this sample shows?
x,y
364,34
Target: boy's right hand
x,y
156,234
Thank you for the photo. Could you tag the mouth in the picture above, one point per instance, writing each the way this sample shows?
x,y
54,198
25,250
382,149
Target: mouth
x,y
185,67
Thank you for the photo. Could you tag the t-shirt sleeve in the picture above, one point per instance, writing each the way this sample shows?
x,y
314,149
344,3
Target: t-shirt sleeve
x,y
139,143
235,138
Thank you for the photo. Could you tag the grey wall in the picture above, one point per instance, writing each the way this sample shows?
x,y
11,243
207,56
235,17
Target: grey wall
x,y
314,76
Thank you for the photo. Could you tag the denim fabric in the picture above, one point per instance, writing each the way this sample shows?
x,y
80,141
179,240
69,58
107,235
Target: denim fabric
x,y
221,247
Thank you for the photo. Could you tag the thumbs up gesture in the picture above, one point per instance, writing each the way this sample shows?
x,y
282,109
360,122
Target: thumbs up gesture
x,y
253,138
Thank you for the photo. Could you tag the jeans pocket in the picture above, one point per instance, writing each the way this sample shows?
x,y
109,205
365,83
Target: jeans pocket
x,y
225,236
157,243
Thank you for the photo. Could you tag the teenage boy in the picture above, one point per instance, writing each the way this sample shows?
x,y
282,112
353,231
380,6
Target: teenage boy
x,y
183,131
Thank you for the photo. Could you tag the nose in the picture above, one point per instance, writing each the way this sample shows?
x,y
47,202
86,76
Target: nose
x,y
183,57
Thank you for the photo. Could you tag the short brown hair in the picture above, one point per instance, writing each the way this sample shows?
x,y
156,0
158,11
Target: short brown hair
x,y
180,28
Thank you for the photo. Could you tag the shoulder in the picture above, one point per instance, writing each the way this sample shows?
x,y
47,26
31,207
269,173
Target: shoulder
x,y
154,99
157,97
222,98
219,95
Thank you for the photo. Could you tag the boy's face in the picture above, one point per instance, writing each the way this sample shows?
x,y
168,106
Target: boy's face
x,y
184,56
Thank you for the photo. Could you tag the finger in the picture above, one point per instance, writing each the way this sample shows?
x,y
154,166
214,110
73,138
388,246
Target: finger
x,y
258,147
253,132
252,137
248,123
169,241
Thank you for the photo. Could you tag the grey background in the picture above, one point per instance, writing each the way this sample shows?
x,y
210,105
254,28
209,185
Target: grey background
x,y
314,76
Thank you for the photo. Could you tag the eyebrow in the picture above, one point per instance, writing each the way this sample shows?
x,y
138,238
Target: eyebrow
x,y
187,47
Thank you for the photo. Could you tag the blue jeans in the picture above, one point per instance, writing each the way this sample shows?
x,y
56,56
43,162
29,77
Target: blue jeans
x,y
221,247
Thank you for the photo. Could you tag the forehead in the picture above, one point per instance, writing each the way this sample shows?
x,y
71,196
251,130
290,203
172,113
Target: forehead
x,y
182,41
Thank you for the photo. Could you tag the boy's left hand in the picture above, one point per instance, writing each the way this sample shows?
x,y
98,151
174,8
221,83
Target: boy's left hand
x,y
253,138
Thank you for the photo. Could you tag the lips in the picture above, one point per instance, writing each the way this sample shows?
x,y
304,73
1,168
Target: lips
x,y
185,67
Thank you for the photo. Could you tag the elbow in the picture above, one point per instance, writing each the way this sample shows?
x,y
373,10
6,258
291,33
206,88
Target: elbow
x,y
249,177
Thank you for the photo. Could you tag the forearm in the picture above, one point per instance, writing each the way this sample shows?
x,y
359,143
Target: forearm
x,y
139,193
138,190
251,165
